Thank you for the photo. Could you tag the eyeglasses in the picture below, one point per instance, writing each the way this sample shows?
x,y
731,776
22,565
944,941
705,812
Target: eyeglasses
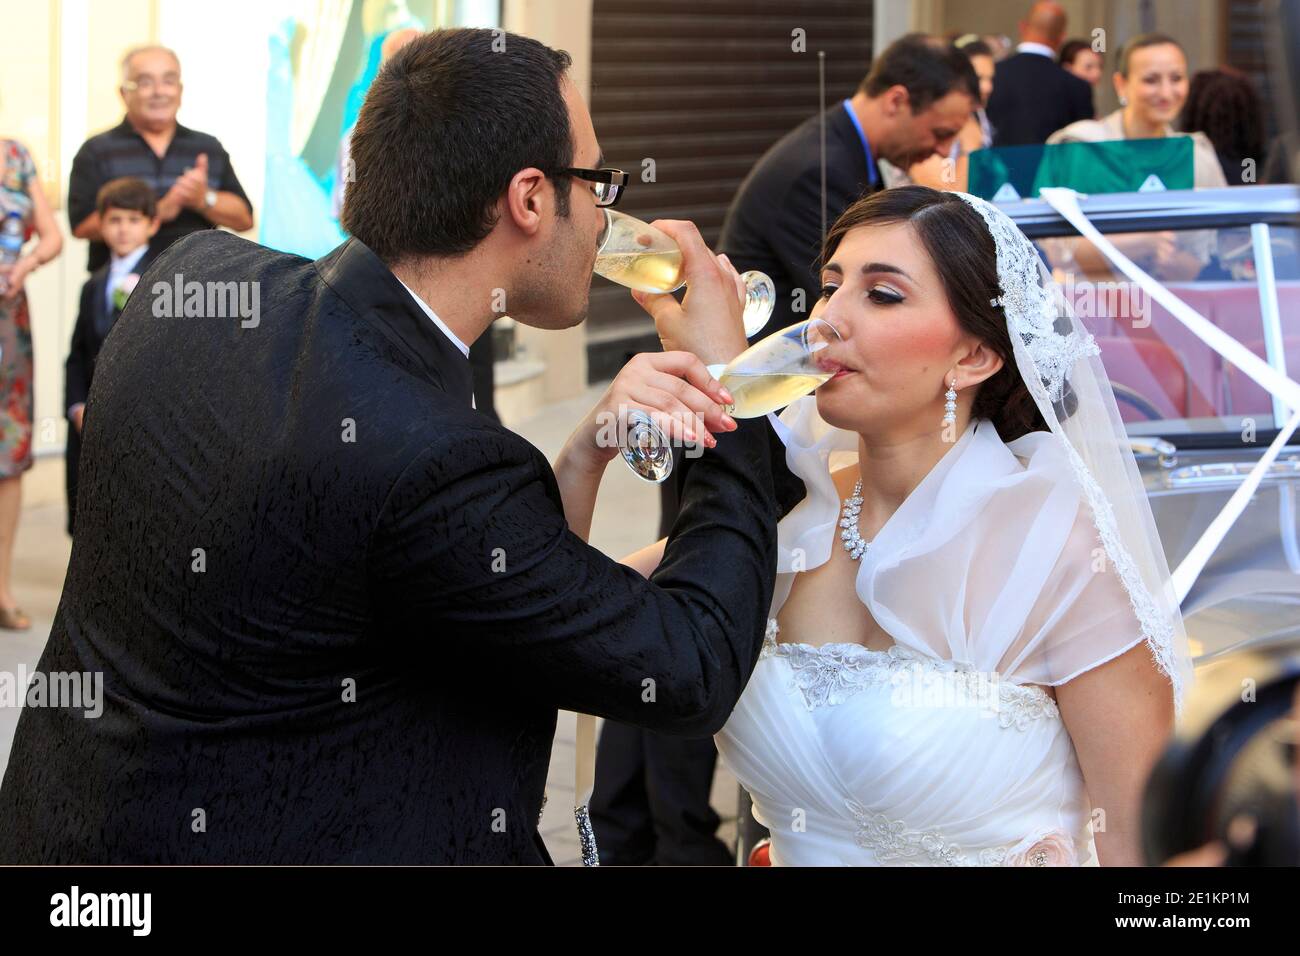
x,y
147,83
608,182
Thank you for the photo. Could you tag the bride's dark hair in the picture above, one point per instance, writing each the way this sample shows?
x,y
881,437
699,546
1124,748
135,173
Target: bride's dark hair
x,y
962,249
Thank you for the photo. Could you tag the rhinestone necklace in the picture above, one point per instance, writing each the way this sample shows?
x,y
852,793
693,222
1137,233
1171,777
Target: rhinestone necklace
x,y
850,536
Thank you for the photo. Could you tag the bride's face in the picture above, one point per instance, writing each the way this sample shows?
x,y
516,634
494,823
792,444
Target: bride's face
x,y
882,293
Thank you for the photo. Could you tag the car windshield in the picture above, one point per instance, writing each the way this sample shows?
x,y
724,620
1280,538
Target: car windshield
x,y
1167,381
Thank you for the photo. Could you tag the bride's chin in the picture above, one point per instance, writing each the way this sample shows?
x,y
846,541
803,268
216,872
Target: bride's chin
x,y
836,410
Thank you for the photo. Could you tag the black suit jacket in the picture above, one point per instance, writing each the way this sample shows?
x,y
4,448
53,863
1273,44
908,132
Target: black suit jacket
x,y
335,609
1033,97
94,321
774,223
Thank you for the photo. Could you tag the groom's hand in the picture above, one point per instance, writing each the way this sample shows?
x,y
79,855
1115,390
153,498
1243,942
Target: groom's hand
x,y
708,320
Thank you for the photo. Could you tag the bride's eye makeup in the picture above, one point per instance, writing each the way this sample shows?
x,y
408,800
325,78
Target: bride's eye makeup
x,y
883,295
828,290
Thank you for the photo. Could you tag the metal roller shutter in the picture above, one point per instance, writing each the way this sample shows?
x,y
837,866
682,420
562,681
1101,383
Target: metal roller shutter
x,y
703,88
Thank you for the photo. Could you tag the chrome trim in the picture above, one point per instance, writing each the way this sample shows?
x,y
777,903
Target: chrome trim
x,y
1288,527
1174,209
1148,446
1268,310
1220,472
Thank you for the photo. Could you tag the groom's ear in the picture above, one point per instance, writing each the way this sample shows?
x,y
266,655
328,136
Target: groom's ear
x,y
525,200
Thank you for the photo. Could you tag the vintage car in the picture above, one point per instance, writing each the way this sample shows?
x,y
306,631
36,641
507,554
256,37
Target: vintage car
x,y
1196,423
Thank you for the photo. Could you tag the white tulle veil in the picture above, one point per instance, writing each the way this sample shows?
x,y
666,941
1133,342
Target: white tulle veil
x,y
1057,357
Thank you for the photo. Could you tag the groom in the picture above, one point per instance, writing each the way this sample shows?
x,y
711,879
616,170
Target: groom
x,y
335,609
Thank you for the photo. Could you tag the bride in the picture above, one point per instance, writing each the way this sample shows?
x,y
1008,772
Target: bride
x,y
974,655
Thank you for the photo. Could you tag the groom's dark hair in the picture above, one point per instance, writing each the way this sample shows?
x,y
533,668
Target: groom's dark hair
x,y
447,123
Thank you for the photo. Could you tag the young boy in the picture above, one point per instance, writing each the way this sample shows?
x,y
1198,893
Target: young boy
x,y
128,217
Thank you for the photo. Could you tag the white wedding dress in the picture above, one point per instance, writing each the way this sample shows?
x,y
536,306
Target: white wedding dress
x,y
943,750
841,776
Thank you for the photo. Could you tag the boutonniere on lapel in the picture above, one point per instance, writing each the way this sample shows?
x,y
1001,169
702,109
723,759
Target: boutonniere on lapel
x,y
122,291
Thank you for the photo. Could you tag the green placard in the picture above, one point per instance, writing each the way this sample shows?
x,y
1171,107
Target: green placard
x,y
1115,166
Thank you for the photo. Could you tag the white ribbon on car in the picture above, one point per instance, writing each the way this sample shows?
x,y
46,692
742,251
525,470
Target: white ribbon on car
x,y
1066,202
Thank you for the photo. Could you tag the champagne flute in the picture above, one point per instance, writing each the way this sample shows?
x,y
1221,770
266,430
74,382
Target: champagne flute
x,y
768,375
774,371
639,256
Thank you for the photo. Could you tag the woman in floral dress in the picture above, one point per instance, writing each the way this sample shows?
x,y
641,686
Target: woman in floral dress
x,y
21,193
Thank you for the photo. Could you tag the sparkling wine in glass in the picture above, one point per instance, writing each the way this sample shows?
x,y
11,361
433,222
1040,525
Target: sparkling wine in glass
x,y
639,256
774,371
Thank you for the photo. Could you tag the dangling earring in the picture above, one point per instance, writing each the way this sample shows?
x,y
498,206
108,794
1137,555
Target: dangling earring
x,y
950,403
1123,101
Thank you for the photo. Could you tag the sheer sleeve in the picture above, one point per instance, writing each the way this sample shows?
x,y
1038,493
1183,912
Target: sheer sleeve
x,y
1003,568
1081,618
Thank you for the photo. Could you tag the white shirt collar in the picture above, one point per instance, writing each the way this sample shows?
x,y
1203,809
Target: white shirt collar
x,y
124,264
1040,48
119,268
436,321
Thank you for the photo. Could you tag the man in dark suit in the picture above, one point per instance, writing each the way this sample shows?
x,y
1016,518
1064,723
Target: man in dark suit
x,y
128,216
335,610
651,802
1033,97
911,105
